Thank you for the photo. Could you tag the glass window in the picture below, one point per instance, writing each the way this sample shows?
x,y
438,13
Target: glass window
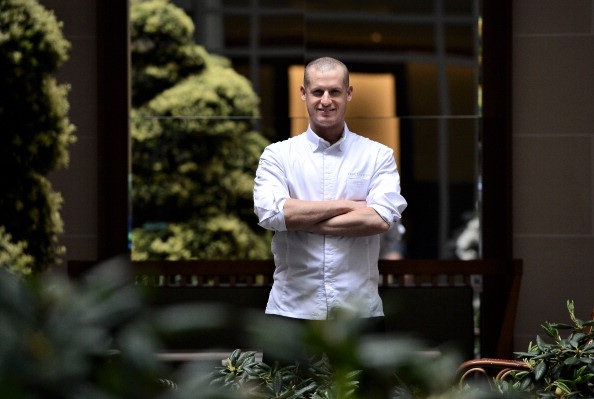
x,y
428,50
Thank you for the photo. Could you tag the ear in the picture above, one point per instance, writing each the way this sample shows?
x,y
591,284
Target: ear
x,y
303,93
350,93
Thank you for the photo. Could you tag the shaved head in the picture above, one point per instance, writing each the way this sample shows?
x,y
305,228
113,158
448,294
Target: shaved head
x,y
325,64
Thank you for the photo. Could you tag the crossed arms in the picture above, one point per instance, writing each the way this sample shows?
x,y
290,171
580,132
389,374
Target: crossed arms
x,y
333,217
372,213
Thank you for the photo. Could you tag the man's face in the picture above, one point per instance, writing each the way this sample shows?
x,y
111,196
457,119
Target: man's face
x,y
326,98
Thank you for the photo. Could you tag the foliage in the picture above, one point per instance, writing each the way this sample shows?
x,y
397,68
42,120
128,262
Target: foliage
x,y
337,359
98,338
194,151
36,132
244,376
61,340
220,237
565,367
13,257
162,49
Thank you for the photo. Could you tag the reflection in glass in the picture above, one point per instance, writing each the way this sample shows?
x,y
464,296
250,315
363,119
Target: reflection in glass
x,y
429,48
194,148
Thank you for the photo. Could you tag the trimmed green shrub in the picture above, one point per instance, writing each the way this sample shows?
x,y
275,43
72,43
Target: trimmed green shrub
x,y
163,52
13,257
194,148
219,237
36,132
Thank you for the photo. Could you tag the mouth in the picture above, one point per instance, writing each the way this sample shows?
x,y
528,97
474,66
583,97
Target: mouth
x,y
326,111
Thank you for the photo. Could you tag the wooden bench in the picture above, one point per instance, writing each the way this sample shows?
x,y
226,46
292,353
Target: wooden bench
x,y
431,299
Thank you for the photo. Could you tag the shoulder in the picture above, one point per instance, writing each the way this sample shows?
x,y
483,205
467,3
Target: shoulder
x,y
358,142
282,146
294,140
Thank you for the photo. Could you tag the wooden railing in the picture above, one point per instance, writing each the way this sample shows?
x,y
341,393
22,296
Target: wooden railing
x,y
500,287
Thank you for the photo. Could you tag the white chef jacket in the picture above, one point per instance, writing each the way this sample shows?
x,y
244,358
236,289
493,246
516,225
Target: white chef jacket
x,y
317,273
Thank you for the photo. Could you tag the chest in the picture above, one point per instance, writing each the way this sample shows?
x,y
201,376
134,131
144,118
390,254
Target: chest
x,y
330,175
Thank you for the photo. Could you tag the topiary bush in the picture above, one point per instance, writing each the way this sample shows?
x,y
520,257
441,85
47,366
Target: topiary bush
x,y
13,257
36,132
219,237
194,148
163,52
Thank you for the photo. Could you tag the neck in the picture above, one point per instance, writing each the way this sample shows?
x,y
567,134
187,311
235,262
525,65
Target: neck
x,y
331,135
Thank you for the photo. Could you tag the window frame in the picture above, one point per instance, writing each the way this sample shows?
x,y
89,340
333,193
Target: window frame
x,y
495,130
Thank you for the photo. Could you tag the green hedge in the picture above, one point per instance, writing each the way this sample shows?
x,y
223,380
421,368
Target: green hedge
x,y
195,149
36,132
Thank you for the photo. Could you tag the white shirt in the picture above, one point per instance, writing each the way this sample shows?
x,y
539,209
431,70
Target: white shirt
x,y
316,273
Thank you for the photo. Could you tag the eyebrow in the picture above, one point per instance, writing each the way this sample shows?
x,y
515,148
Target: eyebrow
x,y
331,88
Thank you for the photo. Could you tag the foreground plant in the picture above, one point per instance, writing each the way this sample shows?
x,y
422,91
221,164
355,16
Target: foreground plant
x,y
334,360
245,376
563,368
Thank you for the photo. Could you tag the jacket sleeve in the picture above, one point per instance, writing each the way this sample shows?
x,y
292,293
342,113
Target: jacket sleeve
x,y
270,191
384,193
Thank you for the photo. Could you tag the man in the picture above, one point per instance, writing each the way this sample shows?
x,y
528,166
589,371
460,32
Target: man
x,y
327,194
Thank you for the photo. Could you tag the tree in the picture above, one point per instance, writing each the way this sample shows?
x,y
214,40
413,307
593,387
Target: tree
x,y
194,149
36,132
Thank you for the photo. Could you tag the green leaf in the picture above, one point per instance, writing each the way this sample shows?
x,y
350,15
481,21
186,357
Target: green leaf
x,y
545,355
577,322
234,356
550,330
540,370
522,355
525,383
246,358
353,374
277,383
589,346
563,386
570,307
571,361
300,393
560,326
576,339
542,345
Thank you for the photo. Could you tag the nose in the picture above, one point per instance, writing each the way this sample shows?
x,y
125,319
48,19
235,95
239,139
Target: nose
x,y
326,99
